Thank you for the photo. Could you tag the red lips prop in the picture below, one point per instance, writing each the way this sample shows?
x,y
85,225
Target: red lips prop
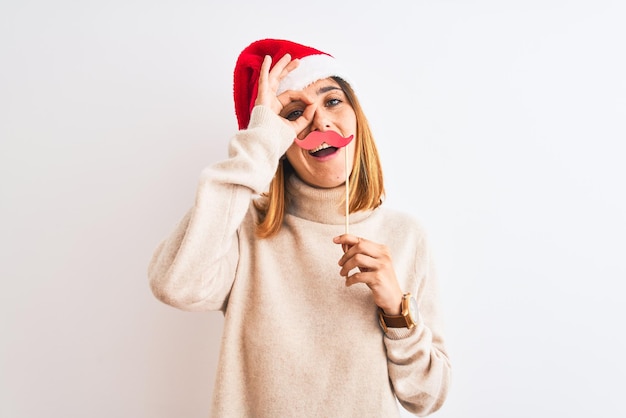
x,y
316,138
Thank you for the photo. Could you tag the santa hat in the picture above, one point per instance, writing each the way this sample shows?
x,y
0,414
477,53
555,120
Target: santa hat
x,y
314,65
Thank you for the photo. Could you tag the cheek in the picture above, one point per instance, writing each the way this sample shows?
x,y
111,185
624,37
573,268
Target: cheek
x,y
349,119
292,150
351,148
352,154
294,155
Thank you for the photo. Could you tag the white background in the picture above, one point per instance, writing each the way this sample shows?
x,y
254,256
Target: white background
x,y
501,125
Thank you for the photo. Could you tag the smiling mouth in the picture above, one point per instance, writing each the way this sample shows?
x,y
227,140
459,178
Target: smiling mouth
x,y
323,150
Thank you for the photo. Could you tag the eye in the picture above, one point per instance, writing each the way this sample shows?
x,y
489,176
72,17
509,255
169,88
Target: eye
x,y
292,111
293,115
332,102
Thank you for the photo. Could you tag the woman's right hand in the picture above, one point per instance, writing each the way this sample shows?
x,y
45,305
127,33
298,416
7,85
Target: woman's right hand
x,y
269,80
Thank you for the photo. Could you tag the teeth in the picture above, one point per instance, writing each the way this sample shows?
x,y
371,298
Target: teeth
x,y
324,145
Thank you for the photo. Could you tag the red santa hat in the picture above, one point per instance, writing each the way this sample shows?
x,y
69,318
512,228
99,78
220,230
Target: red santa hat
x,y
314,65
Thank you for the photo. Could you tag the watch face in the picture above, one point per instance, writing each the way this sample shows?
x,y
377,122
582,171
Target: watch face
x,y
413,308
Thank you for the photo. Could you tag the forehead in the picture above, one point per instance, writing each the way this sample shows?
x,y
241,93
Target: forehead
x,y
322,86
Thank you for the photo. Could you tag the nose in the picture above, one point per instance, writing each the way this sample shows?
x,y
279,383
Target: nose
x,y
321,120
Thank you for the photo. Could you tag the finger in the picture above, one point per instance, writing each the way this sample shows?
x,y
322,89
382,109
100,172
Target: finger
x,y
282,67
263,83
293,64
346,239
303,121
362,262
362,246
371,279
289,96
386,293
269,79
265,68
359,277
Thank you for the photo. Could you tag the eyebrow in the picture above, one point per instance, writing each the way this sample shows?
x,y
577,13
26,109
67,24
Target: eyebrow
x,y
323,90
319,91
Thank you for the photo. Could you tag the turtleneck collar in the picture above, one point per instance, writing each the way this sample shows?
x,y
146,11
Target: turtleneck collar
x,y
318,205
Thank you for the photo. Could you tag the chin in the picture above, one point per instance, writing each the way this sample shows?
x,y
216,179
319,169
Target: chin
x,y
329,185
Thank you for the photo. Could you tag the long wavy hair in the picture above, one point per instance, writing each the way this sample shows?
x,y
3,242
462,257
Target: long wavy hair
x,y
366,179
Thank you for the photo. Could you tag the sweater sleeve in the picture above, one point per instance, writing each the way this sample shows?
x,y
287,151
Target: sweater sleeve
x,y
193,269
418,363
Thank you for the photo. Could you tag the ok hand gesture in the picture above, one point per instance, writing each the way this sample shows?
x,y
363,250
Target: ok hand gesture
x,y
269,81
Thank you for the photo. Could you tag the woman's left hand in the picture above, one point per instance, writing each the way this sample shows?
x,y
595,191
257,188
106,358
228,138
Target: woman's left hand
x,y
375,270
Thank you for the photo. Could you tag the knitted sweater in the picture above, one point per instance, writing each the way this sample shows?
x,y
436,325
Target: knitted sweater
x,y
296,341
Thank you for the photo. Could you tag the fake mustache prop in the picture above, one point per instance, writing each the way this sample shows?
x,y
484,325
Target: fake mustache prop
x,y
316,138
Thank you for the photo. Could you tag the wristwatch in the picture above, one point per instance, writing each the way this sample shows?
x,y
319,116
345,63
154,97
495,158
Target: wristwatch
x,y
407,318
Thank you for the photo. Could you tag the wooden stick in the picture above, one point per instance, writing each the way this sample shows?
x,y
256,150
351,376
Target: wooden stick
x,y
345,152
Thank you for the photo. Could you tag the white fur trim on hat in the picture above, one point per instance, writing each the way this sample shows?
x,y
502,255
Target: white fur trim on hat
x,y
311,69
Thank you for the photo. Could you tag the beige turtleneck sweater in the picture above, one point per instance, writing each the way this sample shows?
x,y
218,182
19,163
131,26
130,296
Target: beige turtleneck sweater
x,y
297,342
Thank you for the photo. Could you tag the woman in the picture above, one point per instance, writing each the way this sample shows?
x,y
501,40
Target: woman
x,y
318,322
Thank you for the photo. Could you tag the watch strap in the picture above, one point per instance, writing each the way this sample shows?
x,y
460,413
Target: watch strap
x,y
394,321
404,320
